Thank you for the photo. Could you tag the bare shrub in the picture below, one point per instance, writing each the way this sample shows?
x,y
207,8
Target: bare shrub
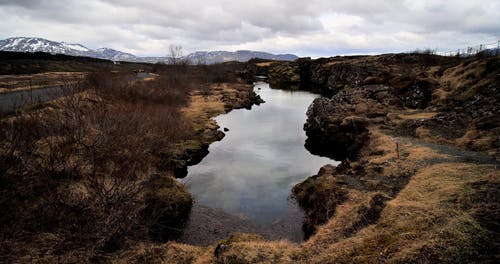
x,y
82,175
175,56
83,168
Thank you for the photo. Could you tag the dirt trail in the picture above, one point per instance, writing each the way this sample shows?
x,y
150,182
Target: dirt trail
x,y
455,154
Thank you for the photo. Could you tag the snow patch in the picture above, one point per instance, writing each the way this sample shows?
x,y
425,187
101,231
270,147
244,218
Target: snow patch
x,y
75,46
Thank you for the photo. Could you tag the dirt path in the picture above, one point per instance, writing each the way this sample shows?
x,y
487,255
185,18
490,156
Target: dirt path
x,y
455,154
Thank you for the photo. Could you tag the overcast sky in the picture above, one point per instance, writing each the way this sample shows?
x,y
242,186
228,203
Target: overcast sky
x,y
303,27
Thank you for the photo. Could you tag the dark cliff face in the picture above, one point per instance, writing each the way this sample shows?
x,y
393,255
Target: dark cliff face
x,y
461,91
409,74
337,127
326,132
442,101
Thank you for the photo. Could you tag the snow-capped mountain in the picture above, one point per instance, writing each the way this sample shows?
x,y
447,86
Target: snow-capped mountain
x,y
24,44
39,44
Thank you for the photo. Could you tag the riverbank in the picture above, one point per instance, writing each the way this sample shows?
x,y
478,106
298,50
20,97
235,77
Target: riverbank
x,y
400,122
419,182
249,174
104,149
203,105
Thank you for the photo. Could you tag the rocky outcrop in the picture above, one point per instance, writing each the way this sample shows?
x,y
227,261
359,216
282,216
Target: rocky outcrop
x,y
441,100
336,137
461,91
407,73
337,127
320,195
466,100
284,76
241,100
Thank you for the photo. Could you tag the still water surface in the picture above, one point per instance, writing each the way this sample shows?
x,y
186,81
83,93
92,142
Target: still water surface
x,y
251,172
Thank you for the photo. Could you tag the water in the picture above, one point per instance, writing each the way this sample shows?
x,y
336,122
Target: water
x,y
251,172
11,101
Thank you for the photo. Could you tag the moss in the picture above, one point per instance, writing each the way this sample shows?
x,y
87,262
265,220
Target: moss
x,y
225,242
245,237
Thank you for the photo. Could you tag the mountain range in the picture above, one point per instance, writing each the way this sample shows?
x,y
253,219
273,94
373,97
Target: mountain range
x,y
27,44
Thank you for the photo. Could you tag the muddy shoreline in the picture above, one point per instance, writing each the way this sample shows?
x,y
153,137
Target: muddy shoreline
x,y
207,226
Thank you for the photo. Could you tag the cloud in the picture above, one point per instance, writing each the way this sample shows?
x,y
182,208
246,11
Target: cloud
x,y
308,28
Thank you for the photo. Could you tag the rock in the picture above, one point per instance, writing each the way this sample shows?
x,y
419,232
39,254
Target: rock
x,y
418,93
284,75
226,129
319,195
337,127
241,100
372,80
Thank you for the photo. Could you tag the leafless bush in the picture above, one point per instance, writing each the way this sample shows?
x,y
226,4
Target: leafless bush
x,y
82,169
175,56
79,175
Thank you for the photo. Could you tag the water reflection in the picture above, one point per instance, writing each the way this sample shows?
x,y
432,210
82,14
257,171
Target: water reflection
x,y
252,170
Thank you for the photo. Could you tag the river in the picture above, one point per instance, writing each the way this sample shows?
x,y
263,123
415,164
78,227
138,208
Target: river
x,y
9,102
247,177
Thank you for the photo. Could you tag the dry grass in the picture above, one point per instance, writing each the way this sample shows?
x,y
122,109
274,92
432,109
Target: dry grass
x,y
479,140
417,115
79,174
466,79
264,64
201,108
259,252
9,83
423,223
441,215
159,253
382,145
333,230
426,222
465,76
426,135
83,177
211,101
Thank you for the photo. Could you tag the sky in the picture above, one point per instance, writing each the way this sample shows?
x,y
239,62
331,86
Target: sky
x,y
315,28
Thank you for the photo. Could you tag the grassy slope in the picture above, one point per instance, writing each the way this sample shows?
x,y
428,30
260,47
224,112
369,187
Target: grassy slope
x,y
433,218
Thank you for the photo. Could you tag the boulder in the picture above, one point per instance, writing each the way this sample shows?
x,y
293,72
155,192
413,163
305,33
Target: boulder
x,y
337,127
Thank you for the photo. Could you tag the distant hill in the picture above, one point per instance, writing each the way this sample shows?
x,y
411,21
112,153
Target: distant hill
x,y
12,62
210,57
27,44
